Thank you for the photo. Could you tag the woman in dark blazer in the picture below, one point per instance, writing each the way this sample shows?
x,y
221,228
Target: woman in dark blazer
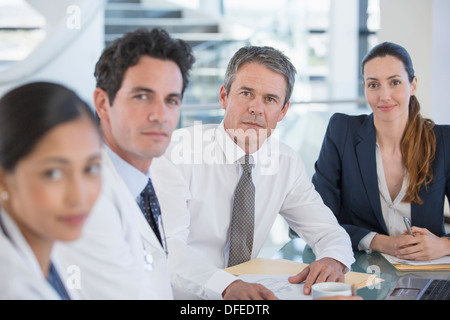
x,y
375,169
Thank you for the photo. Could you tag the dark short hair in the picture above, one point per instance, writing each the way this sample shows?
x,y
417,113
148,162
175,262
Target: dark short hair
x,y
126,51
269,57
29,111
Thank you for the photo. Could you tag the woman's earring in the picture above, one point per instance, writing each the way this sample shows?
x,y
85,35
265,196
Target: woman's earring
x,y
4,195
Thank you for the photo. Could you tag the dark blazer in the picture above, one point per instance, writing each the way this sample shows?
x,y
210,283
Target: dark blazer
x,y
346,178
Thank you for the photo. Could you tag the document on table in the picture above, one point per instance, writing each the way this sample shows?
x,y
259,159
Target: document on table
x,y
279,285
272,267
410,265
440,261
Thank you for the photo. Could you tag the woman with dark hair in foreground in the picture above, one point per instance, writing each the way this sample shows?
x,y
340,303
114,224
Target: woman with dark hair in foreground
x,y
50,158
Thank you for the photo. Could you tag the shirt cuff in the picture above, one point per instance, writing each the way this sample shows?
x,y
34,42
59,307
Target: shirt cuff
x,y
217,283
364,244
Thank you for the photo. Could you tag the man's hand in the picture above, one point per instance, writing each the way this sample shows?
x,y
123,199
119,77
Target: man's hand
x,y
323,270
240,290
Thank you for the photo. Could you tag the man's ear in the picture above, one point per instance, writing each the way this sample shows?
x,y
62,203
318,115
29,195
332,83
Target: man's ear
x,y
283,111
223,95
101,103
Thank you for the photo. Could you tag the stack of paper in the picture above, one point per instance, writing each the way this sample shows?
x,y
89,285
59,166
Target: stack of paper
x,y
410,265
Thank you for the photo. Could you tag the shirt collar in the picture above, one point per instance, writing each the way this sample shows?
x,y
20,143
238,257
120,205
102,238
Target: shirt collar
x,y
232,151
134,179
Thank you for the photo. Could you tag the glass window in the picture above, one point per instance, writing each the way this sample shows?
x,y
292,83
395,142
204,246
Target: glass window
x,y
301,29
22,29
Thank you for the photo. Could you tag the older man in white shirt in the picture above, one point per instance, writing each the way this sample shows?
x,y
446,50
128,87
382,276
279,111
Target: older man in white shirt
x,y
201,168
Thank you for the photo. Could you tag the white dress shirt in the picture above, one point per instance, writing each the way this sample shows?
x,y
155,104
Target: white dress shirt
x,y
134,179
393,210
195,183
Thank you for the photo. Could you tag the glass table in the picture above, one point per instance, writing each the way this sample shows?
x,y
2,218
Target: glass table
x,y
297,250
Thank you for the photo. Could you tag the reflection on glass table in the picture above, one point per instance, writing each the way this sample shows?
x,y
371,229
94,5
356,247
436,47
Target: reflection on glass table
x,y
374,263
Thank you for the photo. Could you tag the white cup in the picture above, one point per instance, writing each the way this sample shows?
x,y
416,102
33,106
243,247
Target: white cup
x,y
330,289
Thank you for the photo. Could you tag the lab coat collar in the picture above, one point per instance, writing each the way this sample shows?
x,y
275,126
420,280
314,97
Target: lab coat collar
x,y
16,237
128,202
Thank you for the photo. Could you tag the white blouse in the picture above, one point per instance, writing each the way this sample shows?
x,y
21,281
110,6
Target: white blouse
x,y
393,210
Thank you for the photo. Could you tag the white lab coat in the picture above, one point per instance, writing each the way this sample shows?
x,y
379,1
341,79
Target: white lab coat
x,y
118,254
21,277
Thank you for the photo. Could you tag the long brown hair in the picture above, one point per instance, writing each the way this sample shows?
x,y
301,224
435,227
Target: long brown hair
x,y
419,141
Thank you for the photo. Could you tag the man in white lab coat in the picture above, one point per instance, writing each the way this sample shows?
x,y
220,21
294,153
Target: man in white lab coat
x,y
141,79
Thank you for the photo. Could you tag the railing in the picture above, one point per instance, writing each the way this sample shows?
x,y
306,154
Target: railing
x,y
212,106
303,127
197,112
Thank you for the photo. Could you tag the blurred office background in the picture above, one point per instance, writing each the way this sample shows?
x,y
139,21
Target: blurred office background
x,y
61,40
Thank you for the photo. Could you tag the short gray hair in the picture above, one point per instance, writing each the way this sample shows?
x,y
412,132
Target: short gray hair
x,y
269,57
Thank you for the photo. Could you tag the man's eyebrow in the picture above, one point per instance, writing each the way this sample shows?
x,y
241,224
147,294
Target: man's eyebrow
x,y
140,89
272,95
175,95
246,88
148,90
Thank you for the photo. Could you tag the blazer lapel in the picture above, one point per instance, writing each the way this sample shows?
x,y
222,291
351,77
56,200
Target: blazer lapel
x,y
416,215
365,152
419,214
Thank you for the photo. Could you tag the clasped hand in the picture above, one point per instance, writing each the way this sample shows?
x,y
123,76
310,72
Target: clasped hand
x,y
424,245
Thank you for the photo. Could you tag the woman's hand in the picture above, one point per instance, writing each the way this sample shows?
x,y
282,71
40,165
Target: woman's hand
x,y
424,245
386,244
